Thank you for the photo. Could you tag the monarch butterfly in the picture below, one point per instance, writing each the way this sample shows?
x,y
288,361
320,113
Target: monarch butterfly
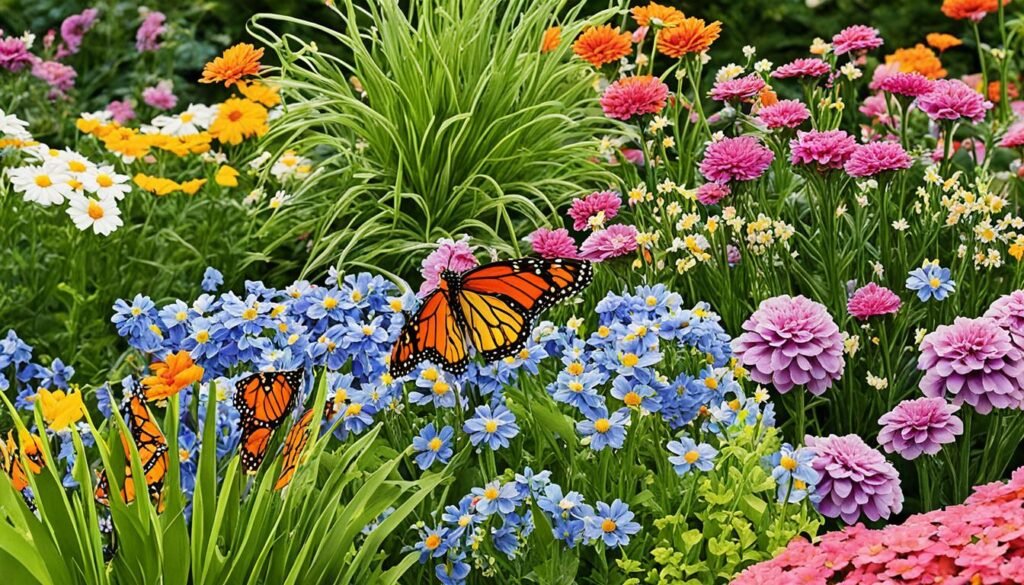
x,y
10,463
294,444
263,400
492,306
152,448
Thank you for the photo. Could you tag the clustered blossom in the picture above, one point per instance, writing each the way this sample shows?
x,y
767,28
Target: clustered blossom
x,y
147,38
791,341
952,99
634,96
856,480
553,243
906,84
594,209
802,68
1008,312
14,55
872,300
742,158
454,255
614,241
739,89
919,426
875,158
1014,137
784,114
856,38
825,150
711,193
979,541
74,27
160,96
60,77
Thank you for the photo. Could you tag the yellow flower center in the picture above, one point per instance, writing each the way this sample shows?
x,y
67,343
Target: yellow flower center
x,y
367,330
187,117
629,360
357,296
341,395
181,315
575,368
136,311
788,463
235,115
491,426
491,493
353,409
104,180
435,444
43,181
464,520
203,336
396,305
249,314
934,282
575,386
330,303
608,525
440,387
95,210
799,485
603,331
294,337
711,383
734,404
386,378
183,455
691,456
430,374
651,301
433,541
76,166
632,399
602,425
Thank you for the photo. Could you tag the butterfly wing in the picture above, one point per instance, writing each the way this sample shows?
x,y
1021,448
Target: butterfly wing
x,y
152,447
434,334
255,441
294,444
500,301
263,401
10,463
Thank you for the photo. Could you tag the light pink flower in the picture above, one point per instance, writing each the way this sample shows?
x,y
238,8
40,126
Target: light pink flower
x,y
739,89
454,255
802,68
160,96
856,38
74,27
553,243
784,114
826,150
871,301
60,77
856,481
147,38
711,193
583,210
14,55
906,84
876,158
882,72
876,108
1014,137
742,158
919,426
1008,312
614,241
634,96
952,99
121,111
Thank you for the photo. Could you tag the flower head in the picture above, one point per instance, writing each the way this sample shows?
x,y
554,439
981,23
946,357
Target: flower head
x,y
551,39
59,409
738,89
919,59
712,192
855,480
454,255
634,96
602,44
919,426
655,14
1008,312
14,54
942,42
952,100
687,454
96,212
829,149
611,524
431,445
690,36
74,27
875,158
793,472
931,281
614,241
784,114
872,300
241,60
493,427
160,96
147,38
906,84
600,204
239,119
605,430
742,158
802,68
553,243
1014,137
856,38
171,376
974,10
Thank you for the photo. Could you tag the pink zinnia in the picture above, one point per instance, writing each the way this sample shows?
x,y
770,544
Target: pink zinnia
x,y
583,210
802,68
856,480
453,255
633,155
784,114
882,72
60,77
553,243
14,55
74,27
875,158
733,90
871,301
1014,137
826,150
919,426
952,99
790,341
617,240
1008,312
856,38
160,96
876,108
147,38
742,158
974,361
634,96
121,111
906,84
711,193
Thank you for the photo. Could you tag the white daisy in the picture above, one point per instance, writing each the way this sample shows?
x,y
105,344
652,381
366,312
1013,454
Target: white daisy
x,y
106,183
99,213
291,165
13,126
279,199
45,185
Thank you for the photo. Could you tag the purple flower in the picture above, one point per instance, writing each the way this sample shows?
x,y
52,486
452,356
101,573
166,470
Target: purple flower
x,y
160,96
952,99
975,361
1008,312
876,158
919,426
790,341
741,88
855,479
614,241
827,150
74,27
735,159
147,38
14,55
856,38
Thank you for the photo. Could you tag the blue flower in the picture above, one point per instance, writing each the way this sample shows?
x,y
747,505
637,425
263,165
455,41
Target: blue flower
x,y
134,319
57,375
562,506
532,484
931,281
494,427
212,279
611,523
513,531
689,454
568,530
453,572
437,388
433,543
792,471
635,394
495,497
605,431
463,517
433,446
105,400
578,388
249,315
358,415
13,350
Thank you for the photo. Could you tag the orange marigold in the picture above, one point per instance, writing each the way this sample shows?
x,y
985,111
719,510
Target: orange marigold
x,y
237,62
690,36
970,9
171,375
942,42
603,44
237,120
995,91
657,15
918,59
551,39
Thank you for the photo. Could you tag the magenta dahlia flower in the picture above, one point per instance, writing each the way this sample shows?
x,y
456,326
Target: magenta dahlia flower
x,y
784,114
952,99
454,255
553,243
790,341
739,89
583,210
735,159
634,96
614,241
974,361
875,158
872,300
906,84
856,480
802,68
60,77
1014,137
711,193
1008,312
147,37
14,55
856,38
74,27
160,96
876,108
826,150
919,426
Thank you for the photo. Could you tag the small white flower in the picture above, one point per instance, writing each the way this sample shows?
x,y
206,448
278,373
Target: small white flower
x,y
279,199
851,71
876,382
42,184
291,165
749,51
106,183
763,66
13,126
900,225
99,213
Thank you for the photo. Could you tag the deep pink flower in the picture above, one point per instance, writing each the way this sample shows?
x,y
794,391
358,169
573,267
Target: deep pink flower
x,y
147,38
919,426
876,108
454,255
633,155
856,38
1014,137
875,158
871,301
634,96
881,73
14,55
791,341
711,193
739,89
735,159
906,84
856,480
553,243
74,27
1008,312
952,99
974,361
784,114
160,96
60,77
614,241
121,111
583,210
802,68
826,150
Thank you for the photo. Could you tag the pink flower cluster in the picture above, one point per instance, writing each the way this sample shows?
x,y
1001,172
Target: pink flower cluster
x,y
742,158
980,541
74,27
634,96
784,114
712,193
906,84
60,77
553,243
14,55
856,38
160,96
739,89
1008,312
802,68
872,300
601,203
826,150
952,99
614,241
454,255
147,38
875,158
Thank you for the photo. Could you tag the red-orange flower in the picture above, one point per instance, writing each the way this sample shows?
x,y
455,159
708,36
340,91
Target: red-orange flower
x,y
171,375
918,59
658,15
551,39
692,35
941,42
237,62
603,44
995,91
970,9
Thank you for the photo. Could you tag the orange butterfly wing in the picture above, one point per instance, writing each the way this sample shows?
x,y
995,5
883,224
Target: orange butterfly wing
x,y
432,333
263,401
152,447
10,463
294,444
